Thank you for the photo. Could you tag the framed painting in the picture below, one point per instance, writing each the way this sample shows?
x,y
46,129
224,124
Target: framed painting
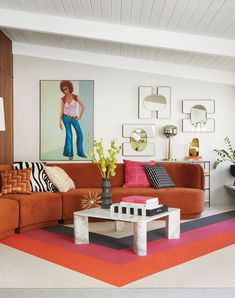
x,y
66,119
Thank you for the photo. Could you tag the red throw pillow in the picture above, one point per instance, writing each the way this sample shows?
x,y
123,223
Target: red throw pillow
x,y
135,175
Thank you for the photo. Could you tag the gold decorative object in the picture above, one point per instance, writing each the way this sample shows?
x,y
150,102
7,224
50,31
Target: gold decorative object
x,y
91,200
193,151
194,147
138,139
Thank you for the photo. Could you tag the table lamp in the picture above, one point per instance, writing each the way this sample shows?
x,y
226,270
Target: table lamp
x,y
169,131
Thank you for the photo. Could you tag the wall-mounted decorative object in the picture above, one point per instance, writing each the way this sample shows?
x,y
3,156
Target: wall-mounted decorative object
x,y
198,120
66,119
169,131
138,135
154,103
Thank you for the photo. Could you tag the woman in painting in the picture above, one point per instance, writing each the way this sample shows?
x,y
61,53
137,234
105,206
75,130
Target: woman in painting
x,y
71,112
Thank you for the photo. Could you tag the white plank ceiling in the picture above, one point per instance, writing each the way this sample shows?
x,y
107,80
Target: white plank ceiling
x,y
212,18
126,50
204,17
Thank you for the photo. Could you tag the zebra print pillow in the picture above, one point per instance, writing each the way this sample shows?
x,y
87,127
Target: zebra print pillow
x,y
39,180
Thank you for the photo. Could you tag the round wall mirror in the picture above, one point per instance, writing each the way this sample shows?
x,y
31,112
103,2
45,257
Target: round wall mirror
x,y
138,139
154,102
198,115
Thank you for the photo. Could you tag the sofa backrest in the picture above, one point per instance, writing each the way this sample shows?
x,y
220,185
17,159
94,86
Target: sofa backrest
x,y
4,167
185,174
87,175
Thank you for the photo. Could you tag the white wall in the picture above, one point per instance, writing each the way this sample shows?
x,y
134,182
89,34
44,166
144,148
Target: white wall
x,y
116,102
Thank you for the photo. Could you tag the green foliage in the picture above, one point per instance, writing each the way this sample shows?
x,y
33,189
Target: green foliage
x,y
227,154
106,165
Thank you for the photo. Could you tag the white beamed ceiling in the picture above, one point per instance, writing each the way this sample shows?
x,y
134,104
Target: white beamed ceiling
x,y
126,50
203,17
193,33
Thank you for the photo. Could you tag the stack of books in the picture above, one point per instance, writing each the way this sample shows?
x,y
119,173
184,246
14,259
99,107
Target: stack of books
x,y
139,205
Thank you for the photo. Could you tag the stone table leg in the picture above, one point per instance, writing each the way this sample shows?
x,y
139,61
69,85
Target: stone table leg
x,y
173,225
81,233
140,238
119,226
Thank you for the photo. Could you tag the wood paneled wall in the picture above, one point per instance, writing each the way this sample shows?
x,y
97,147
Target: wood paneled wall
x,y
6,91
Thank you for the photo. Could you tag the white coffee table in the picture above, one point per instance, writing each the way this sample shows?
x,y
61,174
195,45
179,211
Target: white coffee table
x,y
81,232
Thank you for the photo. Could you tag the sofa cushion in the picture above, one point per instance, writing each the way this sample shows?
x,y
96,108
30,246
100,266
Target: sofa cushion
x,y
72,200
16,181
158,176
189,200
39,180
59,178
135,175
9,216
38,208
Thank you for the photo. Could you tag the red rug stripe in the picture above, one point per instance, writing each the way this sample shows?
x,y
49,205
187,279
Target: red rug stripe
x,y
120,275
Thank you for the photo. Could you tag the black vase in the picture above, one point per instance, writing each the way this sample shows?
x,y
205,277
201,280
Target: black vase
x,y
106,195
232,170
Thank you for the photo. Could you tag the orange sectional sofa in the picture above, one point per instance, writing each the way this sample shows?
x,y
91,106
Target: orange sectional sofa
x,y
40,209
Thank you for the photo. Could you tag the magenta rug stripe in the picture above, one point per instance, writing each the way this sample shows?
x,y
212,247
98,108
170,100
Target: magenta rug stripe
x,y
160,245
93,250
125,256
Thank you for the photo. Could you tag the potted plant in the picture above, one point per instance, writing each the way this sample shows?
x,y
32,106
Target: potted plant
x,y
107,167
227,154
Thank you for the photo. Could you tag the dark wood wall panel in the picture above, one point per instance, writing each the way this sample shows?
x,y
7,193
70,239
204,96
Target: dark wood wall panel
x,y
6,91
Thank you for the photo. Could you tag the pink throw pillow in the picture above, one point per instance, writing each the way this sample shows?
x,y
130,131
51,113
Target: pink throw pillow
x,y
135,175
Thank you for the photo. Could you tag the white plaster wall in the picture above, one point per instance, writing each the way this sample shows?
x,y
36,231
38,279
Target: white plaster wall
x,y
116,102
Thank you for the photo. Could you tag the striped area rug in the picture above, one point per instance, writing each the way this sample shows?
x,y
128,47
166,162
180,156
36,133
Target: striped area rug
x,y
112,259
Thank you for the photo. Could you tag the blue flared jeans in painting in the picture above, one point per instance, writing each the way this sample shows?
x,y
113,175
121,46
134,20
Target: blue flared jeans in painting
x,y
68,147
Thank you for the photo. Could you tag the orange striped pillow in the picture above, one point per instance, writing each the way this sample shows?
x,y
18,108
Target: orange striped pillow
x,y
17,181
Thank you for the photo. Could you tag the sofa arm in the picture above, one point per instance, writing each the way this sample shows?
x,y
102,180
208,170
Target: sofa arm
x,y
186,174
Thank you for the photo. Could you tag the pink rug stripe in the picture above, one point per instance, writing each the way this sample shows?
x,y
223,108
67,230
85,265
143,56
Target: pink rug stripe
x,y
93,250
125,256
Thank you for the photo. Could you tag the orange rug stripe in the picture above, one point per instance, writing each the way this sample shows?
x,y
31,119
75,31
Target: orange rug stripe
x,y
120,275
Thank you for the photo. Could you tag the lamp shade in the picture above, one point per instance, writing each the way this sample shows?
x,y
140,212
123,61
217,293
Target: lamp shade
x,y
2,116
